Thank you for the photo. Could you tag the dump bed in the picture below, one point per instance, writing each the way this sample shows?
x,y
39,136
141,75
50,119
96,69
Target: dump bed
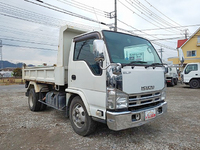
x,y
57,74
44,74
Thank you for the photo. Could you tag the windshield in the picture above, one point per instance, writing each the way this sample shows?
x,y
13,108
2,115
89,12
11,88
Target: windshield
x,y
128,49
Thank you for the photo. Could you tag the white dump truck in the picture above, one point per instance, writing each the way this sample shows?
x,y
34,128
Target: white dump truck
x,y
191,75
171,75
100,76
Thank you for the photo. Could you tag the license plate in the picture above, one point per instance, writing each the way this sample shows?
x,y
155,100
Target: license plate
x,y
150,114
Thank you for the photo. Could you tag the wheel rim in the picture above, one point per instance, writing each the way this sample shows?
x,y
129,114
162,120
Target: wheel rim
x,y
78,115
31,101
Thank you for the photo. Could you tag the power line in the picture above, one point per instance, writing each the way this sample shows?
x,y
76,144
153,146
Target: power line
x,y
64,11
25,31
55,8
84,7
171,27
162,13
26,15
28,41
138,14
14,9
27,34
15,12
156,43
13,45
163,45
138,4
152,19
136,29
166,39
25,19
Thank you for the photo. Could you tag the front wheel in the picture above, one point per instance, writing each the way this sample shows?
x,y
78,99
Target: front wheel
x,y
194,83
81,122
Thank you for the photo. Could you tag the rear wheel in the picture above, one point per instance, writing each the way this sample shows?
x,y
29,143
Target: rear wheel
x,y
194,83
175,81
172,82
81,122
33,103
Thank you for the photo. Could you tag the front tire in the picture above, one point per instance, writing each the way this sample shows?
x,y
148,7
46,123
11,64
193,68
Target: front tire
x,y
194,83
81,122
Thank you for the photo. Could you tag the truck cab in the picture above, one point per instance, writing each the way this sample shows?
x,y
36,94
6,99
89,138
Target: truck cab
x,y
191,75
171,75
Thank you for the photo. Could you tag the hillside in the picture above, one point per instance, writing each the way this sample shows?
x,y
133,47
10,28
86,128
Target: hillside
x,y
7,64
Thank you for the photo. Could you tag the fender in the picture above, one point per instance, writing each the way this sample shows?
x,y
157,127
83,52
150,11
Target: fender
x,y
198,78
37,87
81,94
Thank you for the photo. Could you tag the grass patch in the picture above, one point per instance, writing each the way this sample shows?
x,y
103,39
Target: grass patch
x,y
10,81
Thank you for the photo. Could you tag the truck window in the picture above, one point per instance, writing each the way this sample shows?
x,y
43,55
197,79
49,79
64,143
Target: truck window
x,y
84,52
189,68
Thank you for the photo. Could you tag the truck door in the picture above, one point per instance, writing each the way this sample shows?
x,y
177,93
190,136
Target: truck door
x,y
190,72
86,75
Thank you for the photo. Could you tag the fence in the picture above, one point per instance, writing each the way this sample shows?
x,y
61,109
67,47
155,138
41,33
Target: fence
x,y
11,80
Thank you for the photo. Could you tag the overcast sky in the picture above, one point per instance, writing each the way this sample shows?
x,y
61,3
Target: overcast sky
x,y
29,32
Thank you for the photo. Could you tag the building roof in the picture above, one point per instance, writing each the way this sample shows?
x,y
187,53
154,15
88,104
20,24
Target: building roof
x,y
181,42
191,36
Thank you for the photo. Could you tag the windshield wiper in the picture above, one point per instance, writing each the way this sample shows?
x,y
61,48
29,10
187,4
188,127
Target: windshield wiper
x,y
142,62
137,63
154,65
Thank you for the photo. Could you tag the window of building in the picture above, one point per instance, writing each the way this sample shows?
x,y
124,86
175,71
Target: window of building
x,y
198,39
191,53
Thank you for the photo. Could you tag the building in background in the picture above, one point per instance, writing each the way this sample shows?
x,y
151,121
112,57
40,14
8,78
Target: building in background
x,y
190,48
6,74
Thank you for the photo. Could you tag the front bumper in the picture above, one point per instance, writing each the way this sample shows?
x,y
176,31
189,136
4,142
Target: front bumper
x,y
124,120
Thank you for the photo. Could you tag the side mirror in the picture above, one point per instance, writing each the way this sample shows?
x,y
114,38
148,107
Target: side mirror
x,y
98,50
166,69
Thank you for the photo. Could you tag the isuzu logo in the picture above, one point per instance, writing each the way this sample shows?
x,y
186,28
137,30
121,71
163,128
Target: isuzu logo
x,y
144,88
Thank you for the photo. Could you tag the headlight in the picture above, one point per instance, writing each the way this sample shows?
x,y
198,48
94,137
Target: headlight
x,y
163,94
116,99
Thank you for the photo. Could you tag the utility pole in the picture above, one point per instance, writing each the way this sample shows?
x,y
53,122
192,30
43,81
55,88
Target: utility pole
x,y
112,15
161,51
1,55
115,15
186,33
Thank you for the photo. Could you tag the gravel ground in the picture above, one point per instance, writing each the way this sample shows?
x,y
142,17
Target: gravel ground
x,y
50,130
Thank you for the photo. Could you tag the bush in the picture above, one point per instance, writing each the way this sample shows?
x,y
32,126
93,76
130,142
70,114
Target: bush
x,y
17,72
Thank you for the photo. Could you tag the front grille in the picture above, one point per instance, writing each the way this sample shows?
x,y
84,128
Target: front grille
x,y
144,100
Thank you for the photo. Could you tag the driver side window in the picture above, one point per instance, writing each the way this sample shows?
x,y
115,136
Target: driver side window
x,y
191,68
84,51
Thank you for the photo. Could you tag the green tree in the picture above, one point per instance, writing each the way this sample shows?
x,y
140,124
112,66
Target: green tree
x,y
17,72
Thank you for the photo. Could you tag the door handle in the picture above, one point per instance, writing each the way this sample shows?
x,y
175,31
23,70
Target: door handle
x,y
73,77
196,74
